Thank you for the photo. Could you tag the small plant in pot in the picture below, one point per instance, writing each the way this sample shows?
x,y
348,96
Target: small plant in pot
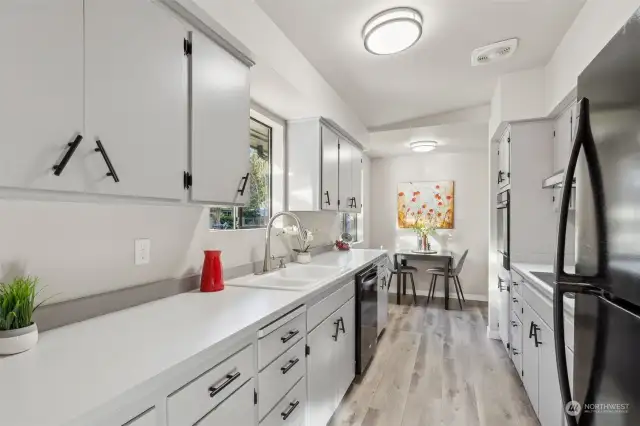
x,y
18,331
303,255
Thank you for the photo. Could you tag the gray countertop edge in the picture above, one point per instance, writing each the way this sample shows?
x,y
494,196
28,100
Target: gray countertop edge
x,y
544,289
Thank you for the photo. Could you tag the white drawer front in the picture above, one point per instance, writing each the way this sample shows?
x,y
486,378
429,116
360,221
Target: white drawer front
x,y
274,344
291,410
237,410
540,304
197,398
148,418
516,304
517,282
321,310
280,376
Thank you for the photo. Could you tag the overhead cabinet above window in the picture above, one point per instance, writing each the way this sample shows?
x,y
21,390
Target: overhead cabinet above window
x,y
325,167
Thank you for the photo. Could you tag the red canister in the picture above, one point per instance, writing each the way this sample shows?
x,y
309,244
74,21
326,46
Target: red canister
x,y
212,272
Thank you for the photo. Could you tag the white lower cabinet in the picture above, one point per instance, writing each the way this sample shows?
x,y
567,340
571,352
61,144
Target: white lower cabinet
x,y
291,410
331,363
539,367
237,410
516,343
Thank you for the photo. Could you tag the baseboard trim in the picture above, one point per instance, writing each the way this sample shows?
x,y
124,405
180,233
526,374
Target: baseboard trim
x,y
493,334
440,294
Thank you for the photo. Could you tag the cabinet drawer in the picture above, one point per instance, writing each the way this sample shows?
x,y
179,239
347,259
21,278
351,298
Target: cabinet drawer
x,y
237,410
516,344
194,400
517,282
280,376
282,338
148,418
293,406
516,304
540,304
321,310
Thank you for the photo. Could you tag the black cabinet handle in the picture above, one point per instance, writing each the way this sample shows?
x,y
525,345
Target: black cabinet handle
x,y
515,300
337,324
290,335
515,351
328,202
59,168
342,325
105,157
535,335
531,330
230,378
244,180
292,407
514,324
289,365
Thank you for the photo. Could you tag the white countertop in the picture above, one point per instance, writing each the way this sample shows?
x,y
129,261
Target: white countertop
x,y
81,367
526,269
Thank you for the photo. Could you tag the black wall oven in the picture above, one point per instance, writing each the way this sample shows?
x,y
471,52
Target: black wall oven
x,y
366,317
503,228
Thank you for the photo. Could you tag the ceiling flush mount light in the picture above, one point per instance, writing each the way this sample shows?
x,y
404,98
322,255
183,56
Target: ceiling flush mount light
x,y
392,31
423,146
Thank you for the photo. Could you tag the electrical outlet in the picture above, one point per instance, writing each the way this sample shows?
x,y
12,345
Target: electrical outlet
x,y
142,250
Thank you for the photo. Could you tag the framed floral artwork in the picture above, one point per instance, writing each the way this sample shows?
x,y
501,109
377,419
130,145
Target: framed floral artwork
x,y
426,199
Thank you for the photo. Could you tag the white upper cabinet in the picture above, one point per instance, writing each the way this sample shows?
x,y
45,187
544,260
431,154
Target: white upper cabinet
x,y
504,159
345,177
563,131
324,167
136,98
220,124
41,93
356,178
330,169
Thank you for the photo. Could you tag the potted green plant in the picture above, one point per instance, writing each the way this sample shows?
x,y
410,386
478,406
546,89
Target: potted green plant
x,y
18,331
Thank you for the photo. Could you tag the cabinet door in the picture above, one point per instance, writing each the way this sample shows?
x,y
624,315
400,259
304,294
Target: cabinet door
x,y
322,374
516,343
345,190
345,362
330,169
505,313
220,124
550,410
41,92
505,159
356,178
136,98
530,355
237,410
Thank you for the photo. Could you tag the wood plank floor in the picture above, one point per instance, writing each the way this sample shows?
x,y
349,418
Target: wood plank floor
x,y
437,367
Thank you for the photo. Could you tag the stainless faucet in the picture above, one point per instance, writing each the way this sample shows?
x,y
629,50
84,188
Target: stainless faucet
x,y
266,267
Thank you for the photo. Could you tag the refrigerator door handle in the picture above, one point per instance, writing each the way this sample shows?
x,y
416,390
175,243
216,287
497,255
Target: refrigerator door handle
x,y
583,140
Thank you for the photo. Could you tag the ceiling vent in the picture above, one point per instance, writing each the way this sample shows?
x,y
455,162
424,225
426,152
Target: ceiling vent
x,y
494,52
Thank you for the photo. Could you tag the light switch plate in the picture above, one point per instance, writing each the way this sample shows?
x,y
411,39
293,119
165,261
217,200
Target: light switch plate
x,y
142,250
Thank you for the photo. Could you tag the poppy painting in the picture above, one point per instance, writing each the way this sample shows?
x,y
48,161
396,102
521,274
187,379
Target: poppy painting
x,y
418,200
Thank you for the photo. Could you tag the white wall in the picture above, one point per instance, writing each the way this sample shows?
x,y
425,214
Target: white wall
x,y
595,25
470,172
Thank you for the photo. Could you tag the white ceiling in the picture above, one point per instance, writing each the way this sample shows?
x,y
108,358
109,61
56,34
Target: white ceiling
x,y
451,138
433,76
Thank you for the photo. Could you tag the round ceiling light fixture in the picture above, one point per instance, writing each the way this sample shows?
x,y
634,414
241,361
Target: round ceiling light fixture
x,y
392,31
423,146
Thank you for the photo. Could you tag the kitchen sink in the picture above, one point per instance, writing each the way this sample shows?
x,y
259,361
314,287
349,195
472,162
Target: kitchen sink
x,y
294,278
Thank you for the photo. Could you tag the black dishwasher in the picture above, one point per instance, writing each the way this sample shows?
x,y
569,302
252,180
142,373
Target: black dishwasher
x,y
366,317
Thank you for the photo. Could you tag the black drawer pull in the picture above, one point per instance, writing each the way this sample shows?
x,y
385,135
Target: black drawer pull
x,y
59,168
244,180
339,327
290,335
230,378
292,407
328,202
289,365
105,157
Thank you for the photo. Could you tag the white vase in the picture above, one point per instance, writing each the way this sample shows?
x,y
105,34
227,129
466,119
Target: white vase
x,y
303,257
20,340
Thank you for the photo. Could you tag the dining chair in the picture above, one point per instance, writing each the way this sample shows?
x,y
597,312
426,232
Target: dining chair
x,y
402,271
453,274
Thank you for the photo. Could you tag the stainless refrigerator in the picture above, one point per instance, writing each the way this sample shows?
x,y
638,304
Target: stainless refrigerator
x,y
605,160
